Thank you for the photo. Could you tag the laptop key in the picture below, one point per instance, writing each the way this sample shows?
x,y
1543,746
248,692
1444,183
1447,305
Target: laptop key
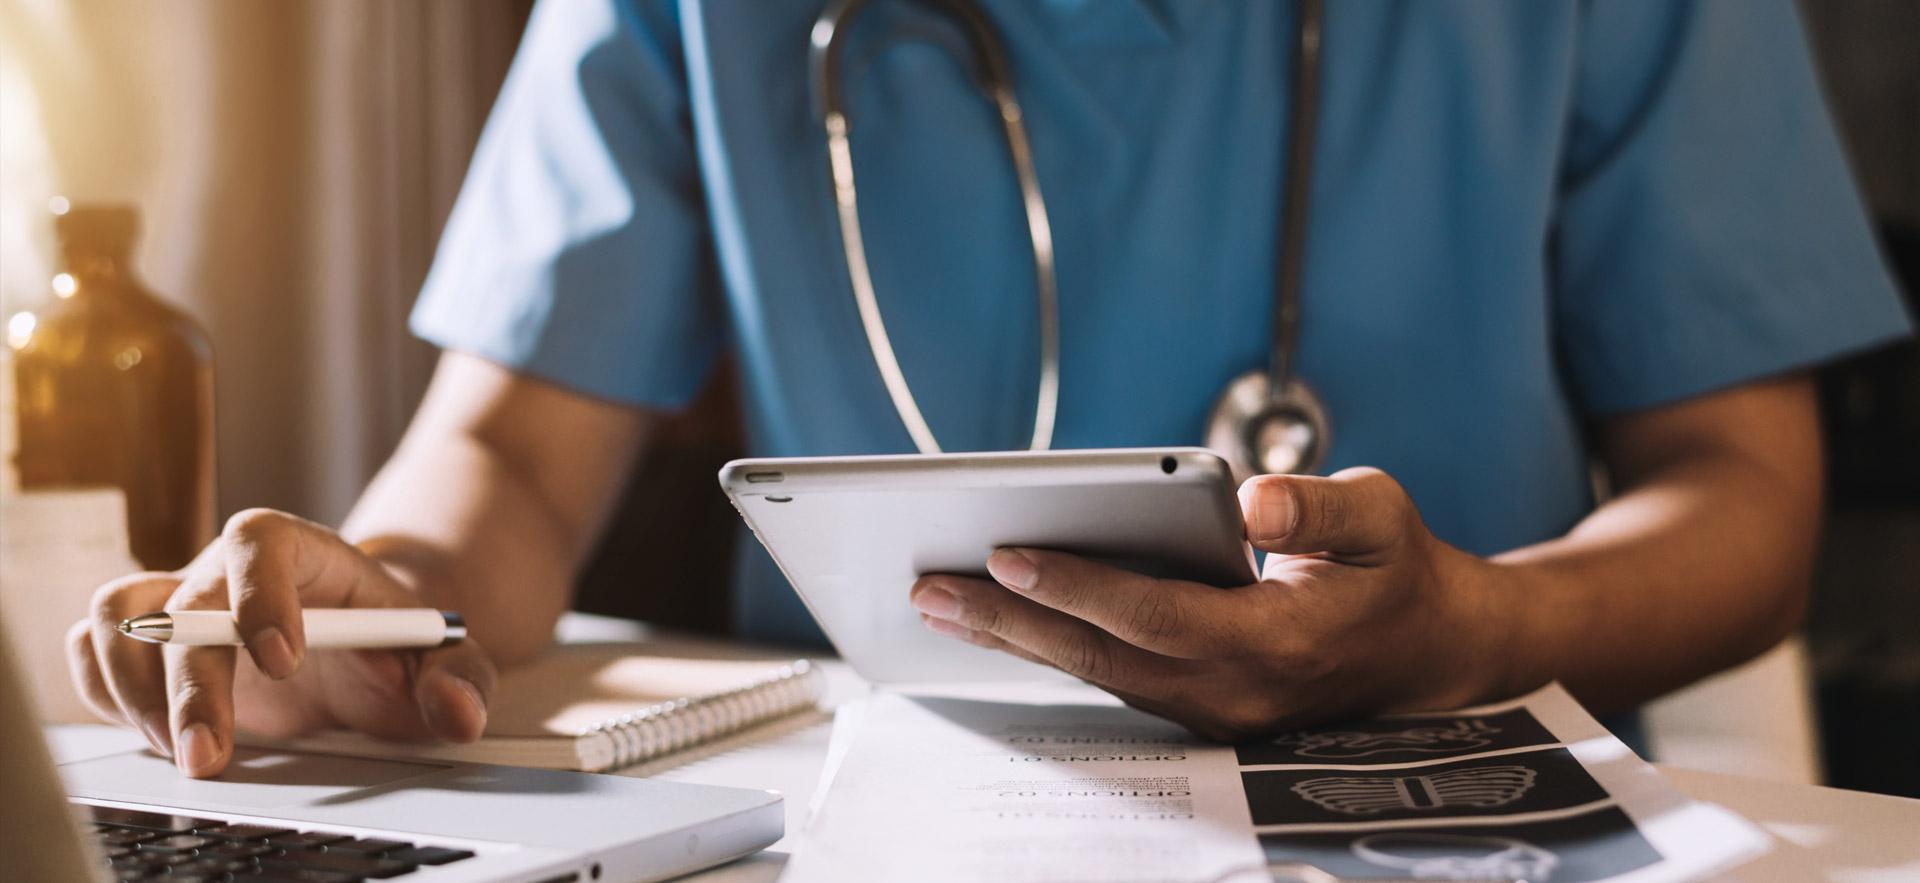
x,y
159,860
239,831
428,855
209,866
300,875
137,866
237,849
124,836
186,843
305,840
338,862
367,846
149,821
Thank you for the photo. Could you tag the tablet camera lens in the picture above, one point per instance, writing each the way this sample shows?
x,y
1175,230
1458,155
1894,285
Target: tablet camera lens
x,y
1168,464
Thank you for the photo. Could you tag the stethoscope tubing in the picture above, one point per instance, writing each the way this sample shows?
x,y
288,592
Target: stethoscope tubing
x,y
1295,202
997,86
1285,396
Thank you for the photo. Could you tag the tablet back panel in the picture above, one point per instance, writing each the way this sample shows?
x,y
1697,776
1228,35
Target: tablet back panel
x,y
853,533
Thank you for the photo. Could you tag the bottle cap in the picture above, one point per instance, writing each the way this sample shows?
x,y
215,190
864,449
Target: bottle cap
x,y
97,230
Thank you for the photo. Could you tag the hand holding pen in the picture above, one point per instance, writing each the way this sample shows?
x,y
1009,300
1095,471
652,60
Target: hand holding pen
x,y
277,586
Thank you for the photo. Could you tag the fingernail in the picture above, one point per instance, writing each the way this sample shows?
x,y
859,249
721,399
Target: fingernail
x,y
199,750
944,627
1269,513
272,652
937,603
156,733
450,721
1013,570
473,700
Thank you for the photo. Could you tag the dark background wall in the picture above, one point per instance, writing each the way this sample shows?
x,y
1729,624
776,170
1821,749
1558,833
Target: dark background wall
x,y
1864,627
1869,56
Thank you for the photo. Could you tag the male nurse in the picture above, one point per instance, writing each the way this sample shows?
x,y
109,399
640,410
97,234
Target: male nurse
x,y
1543,236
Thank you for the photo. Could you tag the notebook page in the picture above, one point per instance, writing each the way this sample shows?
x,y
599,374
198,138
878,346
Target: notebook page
x,y
603,706
574,688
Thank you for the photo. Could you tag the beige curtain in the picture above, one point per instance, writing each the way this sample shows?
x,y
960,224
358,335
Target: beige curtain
x,y
294,161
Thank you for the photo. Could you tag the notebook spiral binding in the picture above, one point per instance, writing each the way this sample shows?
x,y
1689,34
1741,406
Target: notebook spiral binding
x,y
666,727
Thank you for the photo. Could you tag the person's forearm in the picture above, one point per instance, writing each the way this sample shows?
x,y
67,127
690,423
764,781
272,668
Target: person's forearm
x,y
468,533
1701,563
495,497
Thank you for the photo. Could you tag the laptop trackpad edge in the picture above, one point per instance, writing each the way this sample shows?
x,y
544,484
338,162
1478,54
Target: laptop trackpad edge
x,y
257,779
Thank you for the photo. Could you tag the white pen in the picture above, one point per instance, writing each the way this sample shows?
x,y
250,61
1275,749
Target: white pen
x,y
362,628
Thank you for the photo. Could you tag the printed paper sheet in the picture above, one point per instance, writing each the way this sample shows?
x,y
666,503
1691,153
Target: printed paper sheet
x,y
1032,788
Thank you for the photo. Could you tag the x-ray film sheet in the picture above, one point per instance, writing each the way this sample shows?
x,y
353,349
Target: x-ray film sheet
x,y
1595,845
1533,789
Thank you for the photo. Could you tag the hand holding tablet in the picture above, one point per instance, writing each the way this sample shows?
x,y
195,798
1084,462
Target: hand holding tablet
x,y
853,534
1131,569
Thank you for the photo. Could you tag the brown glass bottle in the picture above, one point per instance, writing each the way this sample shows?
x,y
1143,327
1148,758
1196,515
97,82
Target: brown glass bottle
x,y
115,388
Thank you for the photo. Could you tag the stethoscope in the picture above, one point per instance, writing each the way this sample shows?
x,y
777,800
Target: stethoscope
x,y
1265,421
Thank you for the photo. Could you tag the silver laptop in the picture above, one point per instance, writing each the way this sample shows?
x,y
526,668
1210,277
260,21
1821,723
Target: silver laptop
x,y
313,818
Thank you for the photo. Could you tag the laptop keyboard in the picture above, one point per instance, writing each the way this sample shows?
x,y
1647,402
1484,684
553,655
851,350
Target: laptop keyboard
x,y
144,845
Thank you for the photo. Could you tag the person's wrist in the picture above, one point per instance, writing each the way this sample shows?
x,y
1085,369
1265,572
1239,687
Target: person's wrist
x,y
1522,645
1493,615
403,565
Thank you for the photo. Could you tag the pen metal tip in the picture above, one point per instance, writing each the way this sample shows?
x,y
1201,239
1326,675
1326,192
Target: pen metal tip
x,y
154,628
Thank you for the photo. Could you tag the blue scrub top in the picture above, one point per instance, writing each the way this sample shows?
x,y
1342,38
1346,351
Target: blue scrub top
x,y
1525,215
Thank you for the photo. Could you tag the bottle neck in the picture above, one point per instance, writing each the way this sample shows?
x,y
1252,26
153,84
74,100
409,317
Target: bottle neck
x,y
101,276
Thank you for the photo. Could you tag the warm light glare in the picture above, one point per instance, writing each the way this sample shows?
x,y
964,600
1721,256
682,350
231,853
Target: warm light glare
x,y
20,330
58,205
64,285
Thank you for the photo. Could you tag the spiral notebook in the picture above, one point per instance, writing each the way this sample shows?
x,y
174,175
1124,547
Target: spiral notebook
x,y
599,707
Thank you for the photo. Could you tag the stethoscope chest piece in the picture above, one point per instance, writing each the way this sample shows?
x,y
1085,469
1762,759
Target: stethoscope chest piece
x,y
1259,433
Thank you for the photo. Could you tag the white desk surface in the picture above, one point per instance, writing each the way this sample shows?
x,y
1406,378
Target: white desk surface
x,y
1821,834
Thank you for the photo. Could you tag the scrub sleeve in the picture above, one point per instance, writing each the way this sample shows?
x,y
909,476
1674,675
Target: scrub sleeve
x,y
1708,231
578,250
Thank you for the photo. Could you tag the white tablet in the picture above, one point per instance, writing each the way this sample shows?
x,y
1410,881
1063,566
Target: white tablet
x,y
853,533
